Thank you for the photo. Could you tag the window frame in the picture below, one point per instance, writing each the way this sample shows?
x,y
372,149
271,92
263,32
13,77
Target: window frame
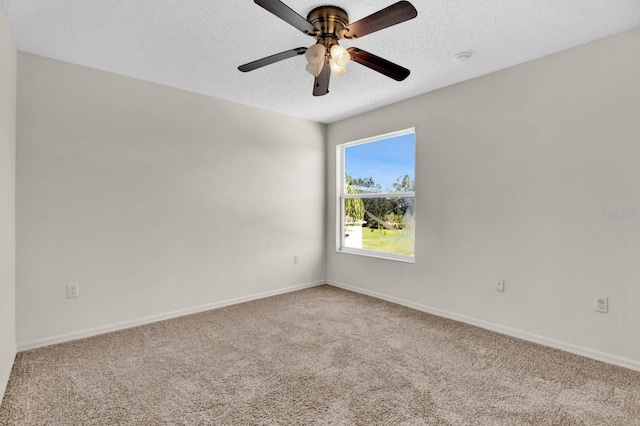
x,y
342,197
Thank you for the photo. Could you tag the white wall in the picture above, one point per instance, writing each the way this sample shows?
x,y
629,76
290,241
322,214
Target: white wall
x,y
7,201
513,172
154,200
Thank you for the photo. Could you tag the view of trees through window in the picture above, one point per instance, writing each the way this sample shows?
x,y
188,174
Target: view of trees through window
x,y
378,195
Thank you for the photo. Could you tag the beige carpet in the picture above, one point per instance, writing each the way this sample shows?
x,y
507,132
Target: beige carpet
x,y
317,356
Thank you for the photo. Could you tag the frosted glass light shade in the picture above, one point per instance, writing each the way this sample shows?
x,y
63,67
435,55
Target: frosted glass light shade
x,y
315,53
315,69
340,55
336,69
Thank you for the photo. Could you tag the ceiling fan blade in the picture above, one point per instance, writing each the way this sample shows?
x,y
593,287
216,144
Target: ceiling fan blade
x,y
321,84
288,15
272,59
379,64
387,17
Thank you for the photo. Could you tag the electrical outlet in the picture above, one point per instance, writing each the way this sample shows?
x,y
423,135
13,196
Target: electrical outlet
x,y
73,291
500,284
602,304
296,260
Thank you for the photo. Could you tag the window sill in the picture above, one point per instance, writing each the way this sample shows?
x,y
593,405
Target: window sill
x,y
379,255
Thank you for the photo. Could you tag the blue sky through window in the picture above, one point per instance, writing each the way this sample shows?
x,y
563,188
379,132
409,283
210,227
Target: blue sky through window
x,y
385,160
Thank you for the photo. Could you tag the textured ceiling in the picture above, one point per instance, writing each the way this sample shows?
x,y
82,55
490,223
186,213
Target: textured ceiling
x,y
197,45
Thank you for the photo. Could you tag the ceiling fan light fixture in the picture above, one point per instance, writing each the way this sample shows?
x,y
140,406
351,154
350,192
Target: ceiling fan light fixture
x,y
328,25
315,54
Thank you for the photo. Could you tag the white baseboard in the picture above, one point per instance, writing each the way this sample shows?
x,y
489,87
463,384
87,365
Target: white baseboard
x,y
5,372
23,346
545,341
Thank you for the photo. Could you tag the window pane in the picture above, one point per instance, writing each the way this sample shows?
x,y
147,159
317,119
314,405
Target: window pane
x,y
386,165
384,225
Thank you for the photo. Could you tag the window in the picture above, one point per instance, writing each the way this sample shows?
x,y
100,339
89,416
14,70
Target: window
x,y
377,196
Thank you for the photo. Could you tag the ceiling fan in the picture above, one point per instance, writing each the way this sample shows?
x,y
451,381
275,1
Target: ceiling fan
x,y
328,25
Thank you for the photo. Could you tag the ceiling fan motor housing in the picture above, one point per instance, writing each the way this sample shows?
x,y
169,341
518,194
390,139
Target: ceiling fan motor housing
x,y
331,22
